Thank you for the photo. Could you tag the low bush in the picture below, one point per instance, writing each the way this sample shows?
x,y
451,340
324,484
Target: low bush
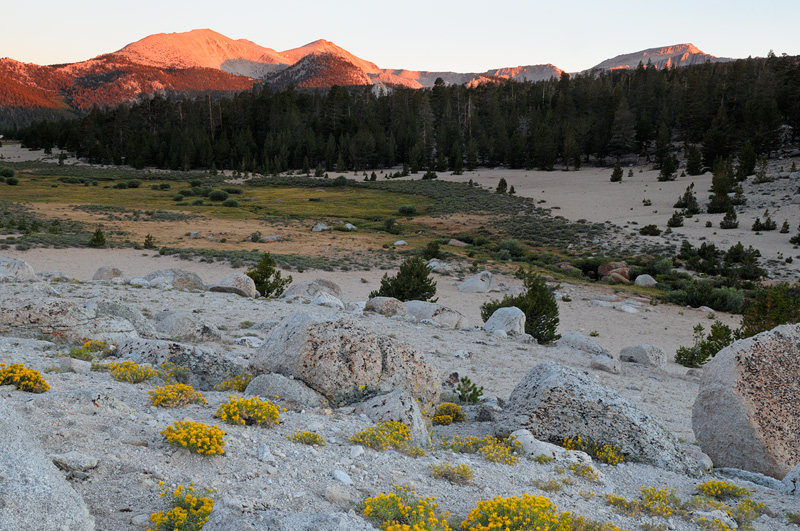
x,y
196,437
22,378
650,230
248,412
237,383
175,395
704,348
771,307
230,203
12,181
218,195
403,510
460,474
539,306
412,282
384,435
189,512
267,278
492,449
605,453
309,438
447,413
407,210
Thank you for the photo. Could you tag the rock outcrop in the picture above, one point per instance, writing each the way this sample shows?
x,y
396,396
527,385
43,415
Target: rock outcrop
x,y
576,341
107,273
647,355
510,319
436,313
177,325
291,393
237,283
343,361
388,306
175,278
479,283
33,493
747,412
206,369
555,402
15,269
400,407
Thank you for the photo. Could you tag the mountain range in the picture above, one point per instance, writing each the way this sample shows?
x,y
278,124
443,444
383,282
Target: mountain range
x,y
203,61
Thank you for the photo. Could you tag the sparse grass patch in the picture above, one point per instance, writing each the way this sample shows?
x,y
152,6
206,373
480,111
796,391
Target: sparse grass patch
x,y
309,438
490,447
459,474
237,383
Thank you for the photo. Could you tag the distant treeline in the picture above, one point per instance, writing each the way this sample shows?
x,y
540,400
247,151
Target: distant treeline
x,y
565,122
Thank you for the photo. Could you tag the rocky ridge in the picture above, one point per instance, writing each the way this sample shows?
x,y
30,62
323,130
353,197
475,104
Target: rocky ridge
x,y
265,481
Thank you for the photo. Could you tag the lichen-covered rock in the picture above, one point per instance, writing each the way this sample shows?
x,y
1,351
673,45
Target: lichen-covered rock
x,y
576,341
479,283
176,278
555,402
237,283
398,406
307,289
15,269
184,325
647,355
291,393
343,361
510,319
206,368
33,493
441,315
387,306
747,412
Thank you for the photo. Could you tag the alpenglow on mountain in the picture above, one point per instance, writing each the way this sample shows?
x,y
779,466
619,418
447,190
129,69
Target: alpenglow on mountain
x,y
204,62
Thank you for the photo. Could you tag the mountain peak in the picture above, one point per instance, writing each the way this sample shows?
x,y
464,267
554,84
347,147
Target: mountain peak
x,y
663,57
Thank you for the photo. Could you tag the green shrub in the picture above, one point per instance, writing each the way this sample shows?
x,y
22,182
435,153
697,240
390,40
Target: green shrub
x,y
663,267
407,210
218,195
98,239
12,181
616,175
177,197
267,277
164,186
412,282
231,203
123,185
704,348
468,392
649,230
676,220
729,221
513,247
431,251
233,191
135,183
6,172
771,307
539,306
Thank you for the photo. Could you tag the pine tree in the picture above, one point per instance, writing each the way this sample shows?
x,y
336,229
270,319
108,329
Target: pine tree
x,y
98,239
694,161
412,282
729,221
616,175
502,186
747,161
668,169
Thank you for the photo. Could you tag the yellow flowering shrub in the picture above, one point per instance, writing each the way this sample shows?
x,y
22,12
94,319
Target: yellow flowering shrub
x,y
189,513
721,490
175,395
171,373
90,350
490,447
22,378
652,501
196,437
307,437
126,371
584,470
237,383
460,474
605,453
517,514
447,413
403,510
248,411
384,435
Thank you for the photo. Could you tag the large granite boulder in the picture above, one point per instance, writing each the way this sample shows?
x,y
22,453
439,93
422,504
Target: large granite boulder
x,y
747,412
176,278
107,273
645,281
307,290
436,313
237,283
15,269
181,324
206,369
33,492
387,306
647,355
606,269
398,406
479,283
289,392
576,341
510,319
556,402
343,361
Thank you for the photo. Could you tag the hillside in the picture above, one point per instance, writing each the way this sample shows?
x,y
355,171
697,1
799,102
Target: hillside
x,y
666,57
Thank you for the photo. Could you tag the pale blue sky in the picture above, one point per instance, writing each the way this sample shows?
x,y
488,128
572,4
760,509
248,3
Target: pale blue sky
x,y
465,36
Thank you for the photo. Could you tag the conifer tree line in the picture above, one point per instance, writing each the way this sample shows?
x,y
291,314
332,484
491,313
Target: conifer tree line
x,y
715,108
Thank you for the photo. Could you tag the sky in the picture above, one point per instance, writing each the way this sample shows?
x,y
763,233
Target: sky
x,y
464,36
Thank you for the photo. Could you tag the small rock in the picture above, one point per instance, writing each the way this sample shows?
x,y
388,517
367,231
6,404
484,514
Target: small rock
x,y
356,451
74,365
605,364
107,273
647,355
141,520
342,477
645,281
400,243
336,493
320,227
72,461
479,283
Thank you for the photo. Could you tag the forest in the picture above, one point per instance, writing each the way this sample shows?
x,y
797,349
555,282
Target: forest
x,y
586,118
